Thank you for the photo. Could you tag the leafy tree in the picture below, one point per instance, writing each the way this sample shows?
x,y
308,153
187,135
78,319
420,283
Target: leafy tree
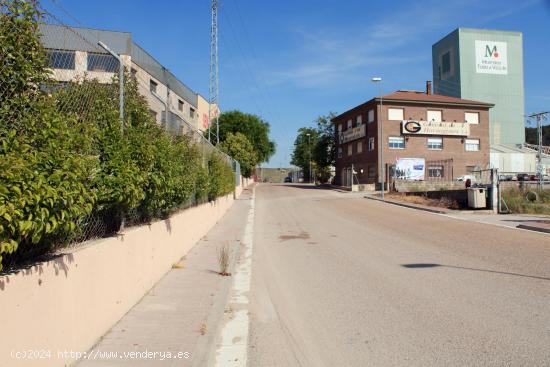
x,y
253,127
241,149
531,135
324,153
304,147
319,147
45,176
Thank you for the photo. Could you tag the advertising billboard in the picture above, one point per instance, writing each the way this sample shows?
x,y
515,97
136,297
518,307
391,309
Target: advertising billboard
x,y
410,169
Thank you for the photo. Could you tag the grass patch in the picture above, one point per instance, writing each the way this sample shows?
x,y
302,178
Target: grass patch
x,y
527,201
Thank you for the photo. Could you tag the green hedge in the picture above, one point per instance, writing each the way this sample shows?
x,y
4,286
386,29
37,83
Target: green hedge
x,y
63,155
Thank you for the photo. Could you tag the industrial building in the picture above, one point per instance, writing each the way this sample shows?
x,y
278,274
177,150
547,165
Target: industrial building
x,y
447,137
487,65
74,54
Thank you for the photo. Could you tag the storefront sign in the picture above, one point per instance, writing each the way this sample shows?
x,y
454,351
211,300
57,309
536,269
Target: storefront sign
x,y
435,128
410,168
491,57
353,134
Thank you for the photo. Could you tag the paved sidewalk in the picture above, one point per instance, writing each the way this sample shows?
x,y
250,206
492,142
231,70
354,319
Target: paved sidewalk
x,y
182,312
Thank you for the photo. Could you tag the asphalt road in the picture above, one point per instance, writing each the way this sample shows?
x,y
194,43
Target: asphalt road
x,y
339,280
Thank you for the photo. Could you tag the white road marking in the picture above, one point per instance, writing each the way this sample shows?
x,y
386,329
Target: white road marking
x,y
233,345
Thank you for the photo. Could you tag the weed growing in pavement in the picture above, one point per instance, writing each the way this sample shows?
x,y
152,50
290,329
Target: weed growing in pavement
x,y
223,261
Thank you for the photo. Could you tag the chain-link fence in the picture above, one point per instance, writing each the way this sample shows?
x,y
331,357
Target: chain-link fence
x,y
88,75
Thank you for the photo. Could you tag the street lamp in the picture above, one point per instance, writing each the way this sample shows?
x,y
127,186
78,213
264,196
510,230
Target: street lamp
x,y
309,146
378,81
120,82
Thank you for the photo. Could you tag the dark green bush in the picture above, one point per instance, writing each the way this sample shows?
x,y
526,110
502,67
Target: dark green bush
x,y
64,156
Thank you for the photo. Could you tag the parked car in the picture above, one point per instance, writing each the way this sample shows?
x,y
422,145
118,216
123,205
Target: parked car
x,y
466,177
523,177
506,177
288,179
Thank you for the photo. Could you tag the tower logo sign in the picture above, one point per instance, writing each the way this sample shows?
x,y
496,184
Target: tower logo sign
x,y
491,57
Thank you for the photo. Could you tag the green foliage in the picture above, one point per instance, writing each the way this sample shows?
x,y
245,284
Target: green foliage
x,y
23,62
319,148
517,201
222,178
64,155
253,127
241,149
304,147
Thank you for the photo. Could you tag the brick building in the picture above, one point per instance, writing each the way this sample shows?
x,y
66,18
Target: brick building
x,y
451,135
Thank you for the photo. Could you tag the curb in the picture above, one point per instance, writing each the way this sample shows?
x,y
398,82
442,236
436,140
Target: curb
x,y
533,228
411,206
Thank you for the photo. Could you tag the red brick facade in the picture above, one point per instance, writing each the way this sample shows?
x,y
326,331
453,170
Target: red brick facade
x,y
415,106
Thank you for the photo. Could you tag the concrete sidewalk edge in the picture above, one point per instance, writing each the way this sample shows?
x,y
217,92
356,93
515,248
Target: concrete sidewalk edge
x,y
533,228
406,205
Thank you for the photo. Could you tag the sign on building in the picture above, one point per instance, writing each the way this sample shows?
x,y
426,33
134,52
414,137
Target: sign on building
x,y
353,134
410,168
435,128
491,57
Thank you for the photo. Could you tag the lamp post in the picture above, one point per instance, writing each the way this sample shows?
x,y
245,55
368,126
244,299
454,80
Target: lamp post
x,y
120,82
378,81
309,147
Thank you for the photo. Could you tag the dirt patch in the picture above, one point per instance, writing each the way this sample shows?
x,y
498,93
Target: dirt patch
x,y
422,200
301,236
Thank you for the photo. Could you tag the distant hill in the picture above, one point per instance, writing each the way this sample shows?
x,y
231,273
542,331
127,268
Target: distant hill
x,y
531,135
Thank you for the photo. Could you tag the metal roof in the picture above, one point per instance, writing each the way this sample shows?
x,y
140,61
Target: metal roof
x,y
85,39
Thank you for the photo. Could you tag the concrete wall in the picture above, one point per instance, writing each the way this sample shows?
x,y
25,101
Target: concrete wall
x,y
68,303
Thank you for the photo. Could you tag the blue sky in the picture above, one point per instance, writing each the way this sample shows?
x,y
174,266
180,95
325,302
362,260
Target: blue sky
x,y
291,61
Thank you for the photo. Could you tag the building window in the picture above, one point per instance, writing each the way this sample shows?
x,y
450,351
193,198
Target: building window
x,y
446,62
350,149
472,145
61,59
471,169
339,128
180,105
435,143
153,86
350,123
436,171
359,147
153,114
192,112
371,144
370,116
133,73
434,116
396,142
340,152
395,114
471,117
359,120
102,62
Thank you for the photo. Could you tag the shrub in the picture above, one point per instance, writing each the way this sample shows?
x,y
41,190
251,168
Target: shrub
x,y
64,156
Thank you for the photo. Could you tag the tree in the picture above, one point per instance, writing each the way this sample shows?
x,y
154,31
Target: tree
x,y
252,127
324,153
304,147
241,149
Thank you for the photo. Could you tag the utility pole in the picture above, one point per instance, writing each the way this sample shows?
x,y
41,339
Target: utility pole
x,y
309,147
539,117
213,85
381,136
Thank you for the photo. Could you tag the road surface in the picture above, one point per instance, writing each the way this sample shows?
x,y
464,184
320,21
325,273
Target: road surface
x,y
338,280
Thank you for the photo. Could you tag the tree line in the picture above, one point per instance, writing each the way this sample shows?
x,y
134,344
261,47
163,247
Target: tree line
x,y
315,150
